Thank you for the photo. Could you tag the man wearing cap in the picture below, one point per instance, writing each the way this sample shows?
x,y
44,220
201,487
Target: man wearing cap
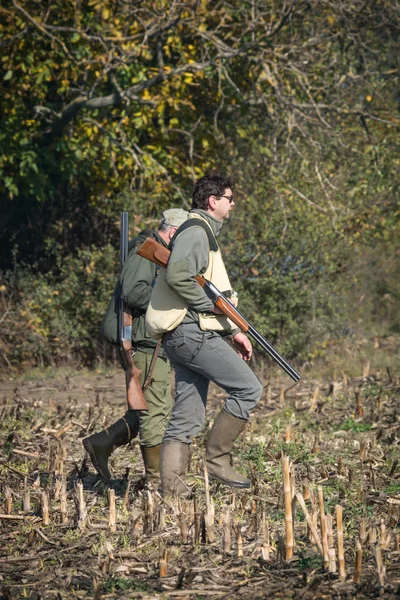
x,y
135,286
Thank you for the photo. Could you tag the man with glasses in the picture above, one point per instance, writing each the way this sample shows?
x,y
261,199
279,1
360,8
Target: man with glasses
x,y
202,344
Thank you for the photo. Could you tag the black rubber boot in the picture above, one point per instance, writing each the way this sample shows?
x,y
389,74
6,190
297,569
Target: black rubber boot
x,y
101,445
220,442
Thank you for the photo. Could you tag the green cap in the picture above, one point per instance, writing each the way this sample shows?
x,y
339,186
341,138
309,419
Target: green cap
x,y
174,216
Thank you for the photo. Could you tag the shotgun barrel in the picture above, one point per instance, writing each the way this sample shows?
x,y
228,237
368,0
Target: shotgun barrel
x,y
155,252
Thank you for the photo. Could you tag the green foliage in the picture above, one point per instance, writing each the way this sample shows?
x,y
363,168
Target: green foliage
x,y
56,317
351,425
109,106
116,584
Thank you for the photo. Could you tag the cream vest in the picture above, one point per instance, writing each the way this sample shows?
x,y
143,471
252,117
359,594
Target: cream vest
x,y
167,309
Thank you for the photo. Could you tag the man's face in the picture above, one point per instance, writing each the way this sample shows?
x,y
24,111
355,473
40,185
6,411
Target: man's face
x,y
223,205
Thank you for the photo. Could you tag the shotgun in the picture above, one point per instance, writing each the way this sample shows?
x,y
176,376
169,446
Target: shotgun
x,y
155,252
134,392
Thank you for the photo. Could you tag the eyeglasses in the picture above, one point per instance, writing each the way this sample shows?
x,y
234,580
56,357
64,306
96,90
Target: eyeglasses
x,y
230,198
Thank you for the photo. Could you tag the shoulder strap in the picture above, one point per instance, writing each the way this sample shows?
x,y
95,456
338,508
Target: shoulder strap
x,y
212,242
136,241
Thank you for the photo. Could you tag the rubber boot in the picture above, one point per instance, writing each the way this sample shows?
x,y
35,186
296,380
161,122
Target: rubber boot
x,y
151,459
101,445
173,462
219,446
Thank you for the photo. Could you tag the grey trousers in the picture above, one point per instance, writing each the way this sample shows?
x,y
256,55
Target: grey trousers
x,y
198,358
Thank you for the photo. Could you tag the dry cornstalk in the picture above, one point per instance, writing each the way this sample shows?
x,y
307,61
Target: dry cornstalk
x,y
239,541
372,476
45,508
357,569
382,539
82,519
57,488
282,396
8,503
206,486
363,530
293,484
316,443
23,453
380,405
287,490
359,407
339,525
112,521
63,500
329,529
149,511
161,517
393,468
196,519
226,530
324,535
63,430
265,532
366,369
15,517
324,471
372,535
332,560
314,399
288,434
26,501
397,542
269,394
125,503
209,516
183,523
362,450
209,528
310,523
163,567
340,466
380,566
306,491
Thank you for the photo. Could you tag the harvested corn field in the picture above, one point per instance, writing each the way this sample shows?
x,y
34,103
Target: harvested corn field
x,y
321,519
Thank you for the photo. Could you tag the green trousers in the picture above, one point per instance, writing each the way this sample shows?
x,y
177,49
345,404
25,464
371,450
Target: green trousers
x,y
152,423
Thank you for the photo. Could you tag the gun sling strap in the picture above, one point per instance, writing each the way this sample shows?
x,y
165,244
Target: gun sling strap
x,y
152,365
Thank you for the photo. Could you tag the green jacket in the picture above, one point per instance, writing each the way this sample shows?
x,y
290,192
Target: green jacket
x,y
189,258
134,285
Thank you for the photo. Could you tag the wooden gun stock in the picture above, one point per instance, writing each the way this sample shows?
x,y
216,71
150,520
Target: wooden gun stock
x,y
155,252
134,392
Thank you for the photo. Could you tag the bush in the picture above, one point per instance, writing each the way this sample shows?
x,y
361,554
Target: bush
x,y
54,318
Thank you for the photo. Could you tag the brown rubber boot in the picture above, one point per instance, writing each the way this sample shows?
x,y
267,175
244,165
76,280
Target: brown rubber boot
x,y
101,445
173,462
151,459
219,446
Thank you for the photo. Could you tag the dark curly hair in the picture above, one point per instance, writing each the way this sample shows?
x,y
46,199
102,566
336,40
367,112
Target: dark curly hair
x,y
209,185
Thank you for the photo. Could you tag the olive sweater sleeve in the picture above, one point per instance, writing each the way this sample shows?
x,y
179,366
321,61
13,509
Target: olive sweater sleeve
x,y
136,281
189,258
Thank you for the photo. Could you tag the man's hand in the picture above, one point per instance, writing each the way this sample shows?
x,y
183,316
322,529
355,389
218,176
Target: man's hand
x,y
242,346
